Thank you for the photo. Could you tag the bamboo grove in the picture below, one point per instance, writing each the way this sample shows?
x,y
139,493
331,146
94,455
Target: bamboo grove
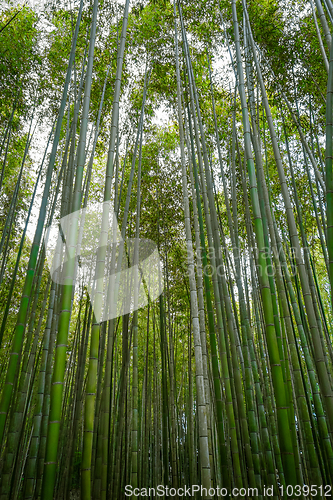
x,y
222,384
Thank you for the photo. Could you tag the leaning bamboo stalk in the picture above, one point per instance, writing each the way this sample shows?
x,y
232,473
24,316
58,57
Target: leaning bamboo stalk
x,y
319,354
320,41
8,133
225,294
112,292
289,106
4,318
248,379
85,200
319,410
95,339
323,22
276,369
201,400
34,445
10,219
50,463
315,293
19,330
16,422
201,262
328,166
224,352
294,359
107,197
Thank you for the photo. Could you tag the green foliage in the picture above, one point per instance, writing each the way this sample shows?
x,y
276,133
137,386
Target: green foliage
x,y
34,52
20,62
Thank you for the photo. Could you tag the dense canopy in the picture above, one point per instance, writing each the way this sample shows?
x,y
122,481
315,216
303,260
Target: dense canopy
x,y
166,249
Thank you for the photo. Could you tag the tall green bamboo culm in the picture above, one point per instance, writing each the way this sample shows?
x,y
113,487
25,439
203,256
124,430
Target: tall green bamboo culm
x,y
328,164
274,356
50,464
22,315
